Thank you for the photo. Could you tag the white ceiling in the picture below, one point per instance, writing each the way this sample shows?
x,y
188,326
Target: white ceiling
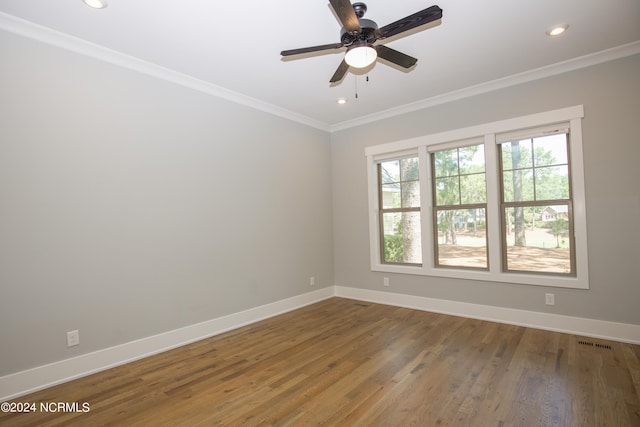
x,y
236,45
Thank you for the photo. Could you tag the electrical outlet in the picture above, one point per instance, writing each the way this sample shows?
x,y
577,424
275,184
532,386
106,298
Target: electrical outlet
x,y
312,281
550,299
385,281
73,338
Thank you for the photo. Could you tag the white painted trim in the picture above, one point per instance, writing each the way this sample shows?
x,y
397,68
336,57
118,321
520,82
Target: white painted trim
x,y
372,194
459,137
47,35
623,332
455,136
579,198
38,378
41,377
596,58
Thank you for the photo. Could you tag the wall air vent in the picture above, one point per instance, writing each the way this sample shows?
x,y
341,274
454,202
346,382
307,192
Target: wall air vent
x,y
597,345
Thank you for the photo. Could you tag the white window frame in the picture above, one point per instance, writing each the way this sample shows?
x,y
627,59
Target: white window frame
x,y
423,145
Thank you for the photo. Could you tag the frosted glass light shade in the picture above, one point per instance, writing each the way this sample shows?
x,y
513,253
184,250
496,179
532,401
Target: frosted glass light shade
x,y
360,56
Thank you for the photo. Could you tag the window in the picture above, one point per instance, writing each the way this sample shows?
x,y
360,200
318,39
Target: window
x,y
502,201
460,204
536,204
399,202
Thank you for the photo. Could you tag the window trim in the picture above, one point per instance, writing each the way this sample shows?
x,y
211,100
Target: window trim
x,y
487,132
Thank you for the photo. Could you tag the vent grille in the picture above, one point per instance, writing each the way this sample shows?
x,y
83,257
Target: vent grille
x,y
597,345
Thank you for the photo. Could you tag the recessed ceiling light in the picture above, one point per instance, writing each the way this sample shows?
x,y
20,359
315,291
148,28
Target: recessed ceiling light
x,y
96,4
556,30
341,101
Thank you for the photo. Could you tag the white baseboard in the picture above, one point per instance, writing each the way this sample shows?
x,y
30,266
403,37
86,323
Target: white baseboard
x,y
38,378
622,332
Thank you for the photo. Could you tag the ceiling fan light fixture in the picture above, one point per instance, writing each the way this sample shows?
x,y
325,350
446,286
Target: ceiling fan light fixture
x,y
360,56
359,35
96,4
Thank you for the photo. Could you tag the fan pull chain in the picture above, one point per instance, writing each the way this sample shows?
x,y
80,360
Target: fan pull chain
x,y
355,79
356,84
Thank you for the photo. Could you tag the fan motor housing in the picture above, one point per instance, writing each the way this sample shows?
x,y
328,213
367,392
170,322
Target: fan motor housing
x,y
366,34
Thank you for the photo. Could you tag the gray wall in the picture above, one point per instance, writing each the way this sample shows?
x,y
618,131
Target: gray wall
x,y
610,94
130,206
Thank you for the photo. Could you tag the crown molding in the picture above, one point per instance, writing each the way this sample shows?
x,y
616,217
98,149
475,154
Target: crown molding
x,y
607,55
47,35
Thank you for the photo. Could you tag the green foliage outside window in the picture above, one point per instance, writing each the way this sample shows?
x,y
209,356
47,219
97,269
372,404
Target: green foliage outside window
x,y
393,250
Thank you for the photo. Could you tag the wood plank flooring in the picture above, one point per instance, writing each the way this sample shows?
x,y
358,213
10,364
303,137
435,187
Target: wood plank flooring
x,y
352,363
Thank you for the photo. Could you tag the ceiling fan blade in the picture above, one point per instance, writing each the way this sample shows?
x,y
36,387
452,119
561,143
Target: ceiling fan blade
x,y
423,17
396,57
346,14
340,72
311,49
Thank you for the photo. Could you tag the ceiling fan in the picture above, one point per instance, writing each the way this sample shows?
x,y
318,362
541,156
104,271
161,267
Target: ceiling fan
x,y
358,35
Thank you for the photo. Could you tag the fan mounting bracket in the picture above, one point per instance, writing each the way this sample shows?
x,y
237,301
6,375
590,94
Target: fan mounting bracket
x,y
360,9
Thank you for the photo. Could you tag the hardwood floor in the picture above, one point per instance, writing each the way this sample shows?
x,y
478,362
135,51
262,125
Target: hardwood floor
x,y
346,362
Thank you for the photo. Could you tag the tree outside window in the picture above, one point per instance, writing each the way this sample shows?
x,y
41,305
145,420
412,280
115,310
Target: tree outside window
x,y
460,197
536,205
399,198
505,202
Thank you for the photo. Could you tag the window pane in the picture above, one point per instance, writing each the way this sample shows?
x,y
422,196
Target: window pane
x,y
447,191
547,178
390,171
551,150
537,239
391,196
460,176
552,183
471,159
473,188
446,163
400,183
518,185
402,237
410,194
516,155
462,240
409,170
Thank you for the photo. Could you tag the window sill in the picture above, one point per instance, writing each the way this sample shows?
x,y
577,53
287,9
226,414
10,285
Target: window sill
x,y
487,276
